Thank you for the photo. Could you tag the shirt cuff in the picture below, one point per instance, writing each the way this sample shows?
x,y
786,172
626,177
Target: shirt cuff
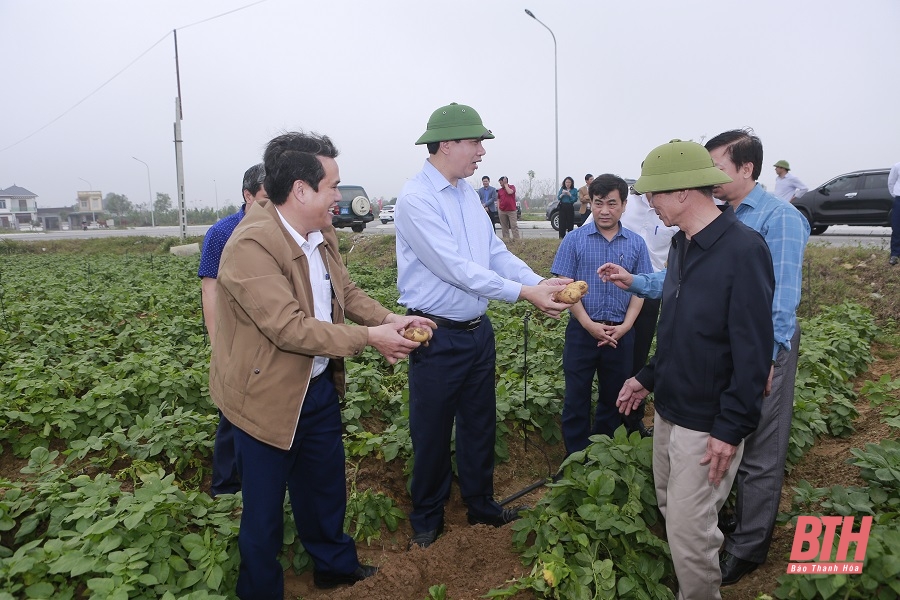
x,y
511,291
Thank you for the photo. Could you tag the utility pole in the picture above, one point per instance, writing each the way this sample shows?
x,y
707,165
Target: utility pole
x,y
179,159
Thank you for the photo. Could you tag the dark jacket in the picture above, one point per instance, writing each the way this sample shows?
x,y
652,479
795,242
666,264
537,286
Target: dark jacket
x,y
714,341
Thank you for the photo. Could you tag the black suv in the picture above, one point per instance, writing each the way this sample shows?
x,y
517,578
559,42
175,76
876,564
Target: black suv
x,y
353,210
552,214
857,198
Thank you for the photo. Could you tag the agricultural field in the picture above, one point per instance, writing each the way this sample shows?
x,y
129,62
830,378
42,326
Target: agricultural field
x,y
106,432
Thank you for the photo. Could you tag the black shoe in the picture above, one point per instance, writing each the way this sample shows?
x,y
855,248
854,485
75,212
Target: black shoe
x,y
325,580
894,260
640,428
507,515
423,539
734,568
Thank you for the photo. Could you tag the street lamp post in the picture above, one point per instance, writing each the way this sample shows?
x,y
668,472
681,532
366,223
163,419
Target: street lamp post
x,y
555,89
149,190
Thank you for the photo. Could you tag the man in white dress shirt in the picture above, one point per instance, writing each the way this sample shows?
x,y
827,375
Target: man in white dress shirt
x,y
787,185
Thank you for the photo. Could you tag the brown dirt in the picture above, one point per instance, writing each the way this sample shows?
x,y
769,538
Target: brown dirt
x,y
468,560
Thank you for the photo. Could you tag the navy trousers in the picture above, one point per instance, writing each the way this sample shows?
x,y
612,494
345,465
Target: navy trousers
x,y
313,472
582,359
453,378
225,478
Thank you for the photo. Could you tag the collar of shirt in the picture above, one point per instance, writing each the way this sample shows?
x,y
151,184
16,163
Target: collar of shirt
x,y
752,200
707,236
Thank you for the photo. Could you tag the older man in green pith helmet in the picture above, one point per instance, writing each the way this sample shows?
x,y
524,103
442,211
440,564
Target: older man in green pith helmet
x,y
449,265
787,185
712,358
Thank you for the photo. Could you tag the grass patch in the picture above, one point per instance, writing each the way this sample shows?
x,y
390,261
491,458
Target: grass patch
x,y
835,275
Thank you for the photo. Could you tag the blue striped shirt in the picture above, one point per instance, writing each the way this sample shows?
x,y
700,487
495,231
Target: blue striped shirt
x,y
585,249
449,261
786,231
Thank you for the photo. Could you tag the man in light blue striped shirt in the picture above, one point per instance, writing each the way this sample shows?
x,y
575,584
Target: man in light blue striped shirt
x,y
449,265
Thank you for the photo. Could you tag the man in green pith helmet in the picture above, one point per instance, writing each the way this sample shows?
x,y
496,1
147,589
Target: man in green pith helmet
x,y
449,265
712,359
787,185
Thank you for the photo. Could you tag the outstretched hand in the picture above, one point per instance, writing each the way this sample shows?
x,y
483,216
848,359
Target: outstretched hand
x,y
616,274
542,295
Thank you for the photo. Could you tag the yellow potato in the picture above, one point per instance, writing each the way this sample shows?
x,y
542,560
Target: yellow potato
x,y
572,293
417,334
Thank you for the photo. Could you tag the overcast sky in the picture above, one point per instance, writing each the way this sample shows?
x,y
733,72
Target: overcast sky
x,y
816,79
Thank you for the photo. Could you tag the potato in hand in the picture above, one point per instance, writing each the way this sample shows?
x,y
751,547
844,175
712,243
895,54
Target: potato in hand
x,y
417,334
572,293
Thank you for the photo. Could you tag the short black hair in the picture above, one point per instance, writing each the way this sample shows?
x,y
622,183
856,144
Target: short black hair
x,y
294,156
253,179
588,176
743,147
604,184
485,177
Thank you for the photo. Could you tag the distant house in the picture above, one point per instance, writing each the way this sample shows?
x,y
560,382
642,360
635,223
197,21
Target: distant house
x,y
18,208
88,209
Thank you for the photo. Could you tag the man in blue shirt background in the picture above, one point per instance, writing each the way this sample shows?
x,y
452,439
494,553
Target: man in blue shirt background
x,y
599,336
225,479
488,195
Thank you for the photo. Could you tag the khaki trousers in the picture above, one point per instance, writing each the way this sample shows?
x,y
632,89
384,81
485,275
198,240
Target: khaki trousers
x,y
690,505
509,223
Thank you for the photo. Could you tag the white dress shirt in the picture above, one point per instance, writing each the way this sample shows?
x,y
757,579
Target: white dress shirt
x,y
319,281
894,180
789,187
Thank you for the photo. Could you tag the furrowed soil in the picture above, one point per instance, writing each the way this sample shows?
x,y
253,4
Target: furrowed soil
x,y
470,560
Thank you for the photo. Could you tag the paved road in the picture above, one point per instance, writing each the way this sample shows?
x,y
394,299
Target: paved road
x,y
837,235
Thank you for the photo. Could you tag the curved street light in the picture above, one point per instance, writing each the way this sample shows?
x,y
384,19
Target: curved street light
x,y
149,190
555,89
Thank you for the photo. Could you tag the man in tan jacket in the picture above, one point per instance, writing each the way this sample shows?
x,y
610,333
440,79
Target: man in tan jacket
x,y
277,364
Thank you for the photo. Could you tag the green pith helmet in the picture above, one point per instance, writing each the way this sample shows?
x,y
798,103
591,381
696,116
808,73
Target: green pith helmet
x,y
678,166
784,165
454,122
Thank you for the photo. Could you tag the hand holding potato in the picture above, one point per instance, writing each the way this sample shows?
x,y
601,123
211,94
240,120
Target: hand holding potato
x,y
572,293
418,334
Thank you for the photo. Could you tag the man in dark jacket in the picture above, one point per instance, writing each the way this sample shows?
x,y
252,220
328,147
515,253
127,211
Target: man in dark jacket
x,y
712,360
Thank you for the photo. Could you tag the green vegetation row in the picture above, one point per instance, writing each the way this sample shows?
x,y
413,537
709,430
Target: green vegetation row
x,y
103,391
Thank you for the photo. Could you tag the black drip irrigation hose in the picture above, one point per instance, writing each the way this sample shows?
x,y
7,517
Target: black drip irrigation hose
x,y
533,486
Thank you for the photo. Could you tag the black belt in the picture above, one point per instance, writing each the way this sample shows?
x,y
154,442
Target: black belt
x,y
448,323
610,323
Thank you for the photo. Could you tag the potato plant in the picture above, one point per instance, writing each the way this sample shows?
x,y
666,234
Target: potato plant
x,y
104,392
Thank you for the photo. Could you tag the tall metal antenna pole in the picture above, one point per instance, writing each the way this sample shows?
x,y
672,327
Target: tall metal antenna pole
x,y
179,159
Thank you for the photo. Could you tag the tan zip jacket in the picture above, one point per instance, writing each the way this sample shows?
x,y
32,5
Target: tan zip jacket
x,y
266,331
